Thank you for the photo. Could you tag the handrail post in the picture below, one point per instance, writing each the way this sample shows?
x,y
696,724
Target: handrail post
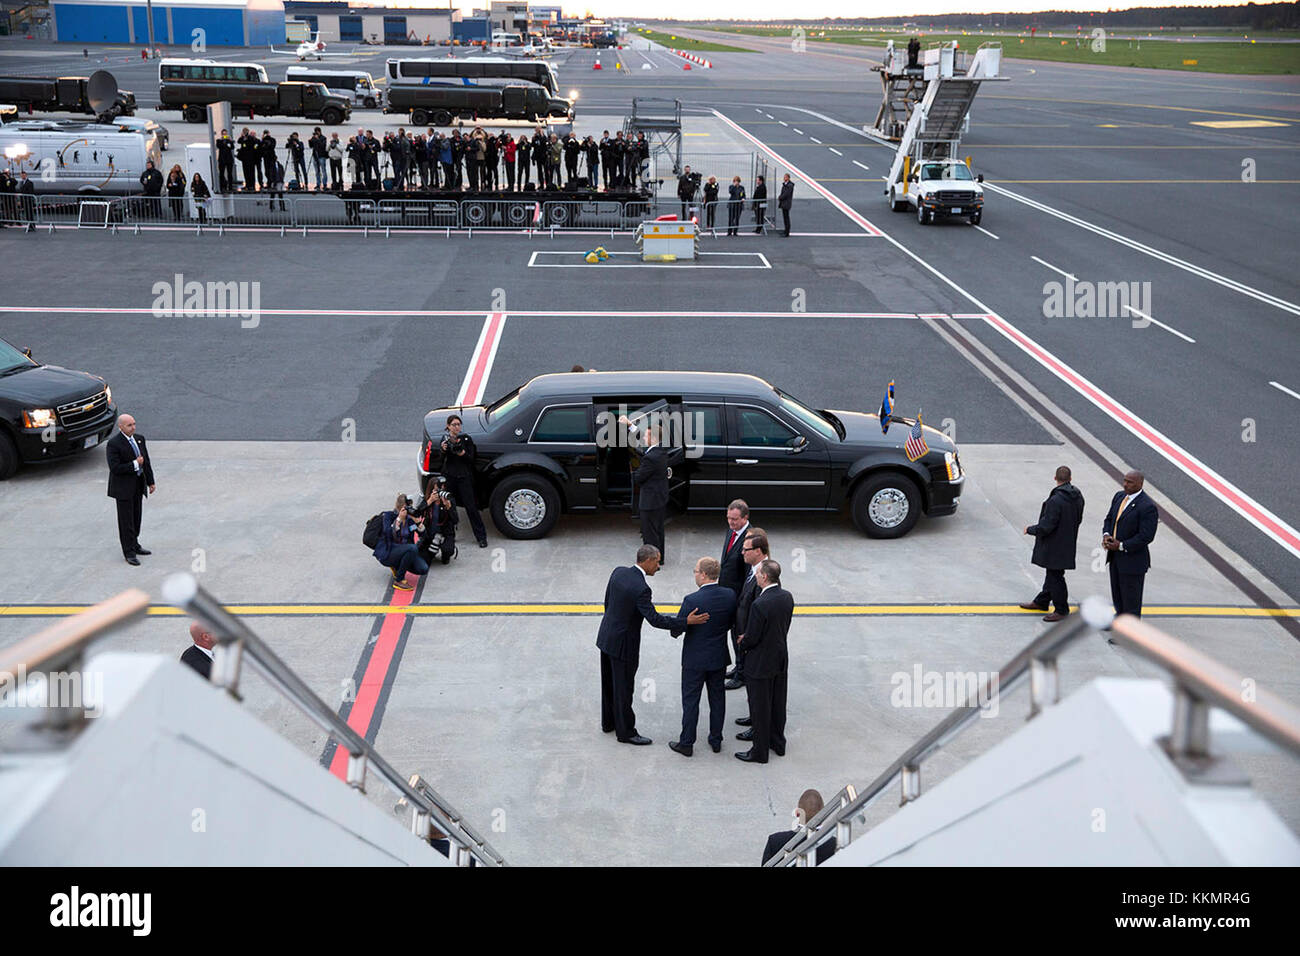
x,y
843,832
910,781
227,662
1190,736
463,856
1044,685
420,823
357,771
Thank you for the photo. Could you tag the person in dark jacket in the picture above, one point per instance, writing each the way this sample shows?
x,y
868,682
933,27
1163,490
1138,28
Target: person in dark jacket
x,y
458,453
810,804
490,174
8,186
524,150
1128,530
687,183
249,153
151,182
784,202
130,481
606,150
571,148
735,206
266,152
541,154
651,479
373,149
627,603
199,654
592,153
176,191
225,162
200,194
1055,538
755,550
760,204
704,656
275,183
297,159
320,152
710,201
767,664
396,549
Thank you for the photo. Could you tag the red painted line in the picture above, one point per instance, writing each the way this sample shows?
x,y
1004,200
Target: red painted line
x,y
1257,514
471,390
825,193
372,682
535,313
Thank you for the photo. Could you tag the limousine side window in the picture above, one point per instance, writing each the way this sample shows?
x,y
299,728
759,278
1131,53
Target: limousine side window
x,y
564,425
704,423
757,427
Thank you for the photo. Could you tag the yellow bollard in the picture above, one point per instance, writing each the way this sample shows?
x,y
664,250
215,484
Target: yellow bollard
x,y
907,169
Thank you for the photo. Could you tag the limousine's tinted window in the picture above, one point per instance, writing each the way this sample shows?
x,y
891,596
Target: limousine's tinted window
x,y
757,427
564,425
704,423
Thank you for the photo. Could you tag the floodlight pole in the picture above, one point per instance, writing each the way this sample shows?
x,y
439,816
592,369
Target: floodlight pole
x,y
148,12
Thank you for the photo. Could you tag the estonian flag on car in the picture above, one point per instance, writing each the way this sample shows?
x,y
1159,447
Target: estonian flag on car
x,y
887,409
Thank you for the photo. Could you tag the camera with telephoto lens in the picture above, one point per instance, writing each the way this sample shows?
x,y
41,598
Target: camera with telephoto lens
x,y
454,443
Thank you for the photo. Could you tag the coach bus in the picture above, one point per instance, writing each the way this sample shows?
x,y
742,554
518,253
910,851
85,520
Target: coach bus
x,y
210,71
473,71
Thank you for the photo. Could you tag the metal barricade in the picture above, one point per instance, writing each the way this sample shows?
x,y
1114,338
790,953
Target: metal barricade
x,y
583,214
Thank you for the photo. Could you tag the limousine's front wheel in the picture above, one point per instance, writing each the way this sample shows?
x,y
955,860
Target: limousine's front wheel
x,y
886,506
525,507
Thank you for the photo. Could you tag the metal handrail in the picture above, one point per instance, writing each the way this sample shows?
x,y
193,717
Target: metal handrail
x,y
235,641
55,646
1200,684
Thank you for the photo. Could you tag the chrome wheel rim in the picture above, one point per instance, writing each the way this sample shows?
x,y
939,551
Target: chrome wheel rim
x,y
888,508
525,509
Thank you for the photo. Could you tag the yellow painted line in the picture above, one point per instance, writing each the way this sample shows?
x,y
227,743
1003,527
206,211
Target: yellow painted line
x,y
695,134
526,610
1235,124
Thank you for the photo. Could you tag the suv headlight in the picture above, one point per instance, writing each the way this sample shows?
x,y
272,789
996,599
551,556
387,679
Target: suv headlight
x,y
108,394
38,417
953,465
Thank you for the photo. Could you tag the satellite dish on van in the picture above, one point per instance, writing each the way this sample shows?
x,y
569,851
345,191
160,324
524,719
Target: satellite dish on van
x,y
101,91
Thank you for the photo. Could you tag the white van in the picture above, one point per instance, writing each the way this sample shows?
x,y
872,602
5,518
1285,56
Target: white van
x,y
357,85
68,158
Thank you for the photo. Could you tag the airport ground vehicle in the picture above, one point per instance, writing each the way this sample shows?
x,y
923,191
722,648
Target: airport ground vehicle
x,y
357,86
146,127
940,187
48,412
308,100
171,69
440,105
64,94
550,446
480,71
67,157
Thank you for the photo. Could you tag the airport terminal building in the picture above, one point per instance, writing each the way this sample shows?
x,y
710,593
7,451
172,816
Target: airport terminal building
x,y
222,22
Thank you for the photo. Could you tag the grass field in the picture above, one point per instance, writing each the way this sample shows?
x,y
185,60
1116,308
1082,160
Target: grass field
x,y
1210,57
682,43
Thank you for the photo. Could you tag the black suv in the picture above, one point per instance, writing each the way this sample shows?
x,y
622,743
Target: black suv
x,y
47,412
553,445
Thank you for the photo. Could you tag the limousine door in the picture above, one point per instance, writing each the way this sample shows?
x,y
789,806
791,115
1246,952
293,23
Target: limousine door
x,y
668,417
770,464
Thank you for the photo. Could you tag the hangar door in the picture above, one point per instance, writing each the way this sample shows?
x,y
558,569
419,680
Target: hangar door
x,y
394,29
220,27
140,23
350,28
92,22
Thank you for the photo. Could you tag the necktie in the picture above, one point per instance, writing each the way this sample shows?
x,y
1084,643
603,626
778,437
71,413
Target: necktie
x,y
1115,530
731,541
136,450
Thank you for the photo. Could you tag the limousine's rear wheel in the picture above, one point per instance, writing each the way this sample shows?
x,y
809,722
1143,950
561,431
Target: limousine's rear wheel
x,y
886,506
525,507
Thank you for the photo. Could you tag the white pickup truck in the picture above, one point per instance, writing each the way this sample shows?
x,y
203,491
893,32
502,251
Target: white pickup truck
x,y
940,187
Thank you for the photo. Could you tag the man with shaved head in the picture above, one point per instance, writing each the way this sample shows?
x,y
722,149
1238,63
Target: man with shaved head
x,y
199,654
1129,527
130,478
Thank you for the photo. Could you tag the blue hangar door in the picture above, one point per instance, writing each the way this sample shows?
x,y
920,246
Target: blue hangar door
x,y
350,29
140,23
92,23
394,29
220,27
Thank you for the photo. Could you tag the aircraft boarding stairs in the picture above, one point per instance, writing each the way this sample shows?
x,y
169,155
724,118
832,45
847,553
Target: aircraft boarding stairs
x,y
131,759
1100,778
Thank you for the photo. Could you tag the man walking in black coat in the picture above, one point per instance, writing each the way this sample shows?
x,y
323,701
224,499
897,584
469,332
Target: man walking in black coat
x,y
1055,538
1129,528
785,200
767,664
627,604
704,656
130,478
651,479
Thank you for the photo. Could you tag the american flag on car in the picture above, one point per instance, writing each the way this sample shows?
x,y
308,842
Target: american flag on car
x,y
915,447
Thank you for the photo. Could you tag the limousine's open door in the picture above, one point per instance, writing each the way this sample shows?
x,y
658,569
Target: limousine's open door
x,y
668,418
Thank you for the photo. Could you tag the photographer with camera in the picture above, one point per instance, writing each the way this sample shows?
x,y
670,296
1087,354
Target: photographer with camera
x,y
436,520
687,185
458,465
396,548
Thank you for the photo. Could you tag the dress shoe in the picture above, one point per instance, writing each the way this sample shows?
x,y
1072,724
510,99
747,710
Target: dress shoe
x,y
717,748
731,674
140,550
132,559
743,722
482,544
679,748
746,734
780,752
637,741
748,757
734,684
1031,606
1054,617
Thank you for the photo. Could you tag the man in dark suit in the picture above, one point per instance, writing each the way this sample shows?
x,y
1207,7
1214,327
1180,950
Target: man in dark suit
x,y
1056,538
734,570
784,201
651,477
199,654
627,604
1129,527
755,550
130,478
810,804
704,656
767,663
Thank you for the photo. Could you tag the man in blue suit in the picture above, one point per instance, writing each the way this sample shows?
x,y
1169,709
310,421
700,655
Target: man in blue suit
x,y
1129,527
704,656
627,604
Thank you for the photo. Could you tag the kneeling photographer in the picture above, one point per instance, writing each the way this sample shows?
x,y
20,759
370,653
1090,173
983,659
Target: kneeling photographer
x,y
458,465
396,549
436,519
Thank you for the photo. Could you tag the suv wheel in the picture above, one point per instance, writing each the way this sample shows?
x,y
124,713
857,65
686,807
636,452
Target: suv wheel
x,y
921,216
525,507
975,219
886,506
8,457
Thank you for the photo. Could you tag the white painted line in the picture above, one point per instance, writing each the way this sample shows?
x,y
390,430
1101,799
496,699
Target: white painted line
x,y
815,140
861,166
799,131
1285,389
534,263
1222,280
985,231
835,200
480,364
783,122
834,150
524,314
1141,314
769,115
1054,269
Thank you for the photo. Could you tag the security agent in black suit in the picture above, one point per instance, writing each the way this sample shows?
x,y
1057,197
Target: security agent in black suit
x,y
1129,528
810,804
767,663
627,604
755,550
704,656
1055,541
130,478
784,201
458,453
199,654
651,478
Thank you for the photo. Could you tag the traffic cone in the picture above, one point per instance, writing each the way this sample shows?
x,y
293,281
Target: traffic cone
x,y
686,66
597,66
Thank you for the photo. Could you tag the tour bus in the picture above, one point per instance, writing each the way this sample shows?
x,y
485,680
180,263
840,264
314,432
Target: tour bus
x,y
210,71
473,71
357,85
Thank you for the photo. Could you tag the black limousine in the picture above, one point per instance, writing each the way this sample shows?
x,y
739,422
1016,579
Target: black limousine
x,y
554,445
